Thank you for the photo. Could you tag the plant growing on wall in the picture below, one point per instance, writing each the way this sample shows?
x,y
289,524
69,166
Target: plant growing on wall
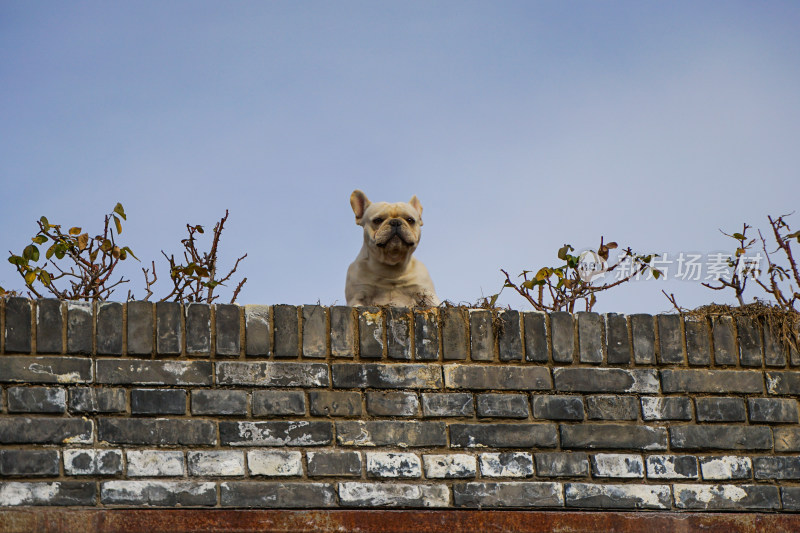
x,y
577,278
75,266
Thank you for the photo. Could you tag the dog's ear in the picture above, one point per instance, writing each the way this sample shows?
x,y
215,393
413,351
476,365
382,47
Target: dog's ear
x,y
359,202
414,202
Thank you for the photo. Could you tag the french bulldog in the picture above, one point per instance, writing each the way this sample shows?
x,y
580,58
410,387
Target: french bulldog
x,y
385,272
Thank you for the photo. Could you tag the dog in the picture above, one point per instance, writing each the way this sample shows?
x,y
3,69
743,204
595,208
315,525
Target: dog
x,y
385,272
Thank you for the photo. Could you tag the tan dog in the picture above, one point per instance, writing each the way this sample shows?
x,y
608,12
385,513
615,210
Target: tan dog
x,y
385,273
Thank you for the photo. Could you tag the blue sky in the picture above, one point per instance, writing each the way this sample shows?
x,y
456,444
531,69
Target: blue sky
x,y
519,125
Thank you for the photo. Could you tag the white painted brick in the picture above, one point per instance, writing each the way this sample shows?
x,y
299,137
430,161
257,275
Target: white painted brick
x,y
155,463
387,464
506,464
726,467
274,463
620,465
672,467
92,462
449,466
216,463
393,495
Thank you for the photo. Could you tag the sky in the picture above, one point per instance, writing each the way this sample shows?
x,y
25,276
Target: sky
x,y
520,126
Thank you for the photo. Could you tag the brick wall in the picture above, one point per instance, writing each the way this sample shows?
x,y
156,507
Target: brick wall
x,y
141,404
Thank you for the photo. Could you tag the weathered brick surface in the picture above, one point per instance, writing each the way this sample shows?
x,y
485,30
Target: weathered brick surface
x,y
605,380
613,436
749,341
62,493
392,404
370,332
383,494
723,437
227,334
381,376
158,401
398,333
84,462
272,374
536,348
481,377
509,341
508,494
617,465
590,337
334,463
773,410
609,407
670,341
285,322
447,404
562,464
275,463
215,463
726,497
562,331
558,407
258,331
277,495
503,405
279,433
514,435
37,400
145,372
278,403
79,327
29,463
156,432
315,331
614,496
342,337
48,369
481,337
17,327
49,323
449,466
617,341
391,433
711,381
720,410
718,468
169,333
669,408
643,332
45,430
724,341
454,333
198,329
506,464
158,493
109,328
155,463
672,467
698,342
219,402
335,403
426,334
97,400
140,328
393,465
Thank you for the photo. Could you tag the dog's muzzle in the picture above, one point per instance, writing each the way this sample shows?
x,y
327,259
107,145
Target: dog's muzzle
x,y
395,231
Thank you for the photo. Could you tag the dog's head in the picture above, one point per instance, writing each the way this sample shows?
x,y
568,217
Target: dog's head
x,y
391,231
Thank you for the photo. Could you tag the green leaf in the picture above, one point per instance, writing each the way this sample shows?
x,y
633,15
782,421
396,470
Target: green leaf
x,y
31,253
118,224
493,299
17,260
106,245
83,242
30,277
74,231
118,209
39,239
60,252
528,284
44,276
738,236
128,250
50,251
199,229
562,252
44,222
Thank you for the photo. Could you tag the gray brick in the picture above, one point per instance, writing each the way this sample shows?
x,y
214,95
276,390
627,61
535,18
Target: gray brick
x,y
666,408
698,341
777,467
156,432
277,433
722,437
92,462
342,331
198,329
775,353
158,401
482,377
146,372
285,321
37,400
219,402
558,407
454,333
562,331
617,465
726,497
791,498
562,464
109,328
382,376
724,341
481,336
49,324
749,341
617,343
783,382
335,403
274,463
508,494
787,439
334,463
726,467
644,339
398,333
315,331
372,495
447,404
773,410
48,369
66,493
536,348
216,463
720,410
605,380
613,436
228,325
278,403
29,463
390,433
509,342
258,331
503,405
79,327
606,407
272,374
277,495
45,430
449,466
392,404
140,328
672,467
393,465
513,435
711,381
590,331
670,341
370,332
158,493
610,496
97,400
18,325
506,464
155,463
169,333
426,334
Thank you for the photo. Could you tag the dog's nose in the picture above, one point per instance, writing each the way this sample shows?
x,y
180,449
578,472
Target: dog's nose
x,y
395,222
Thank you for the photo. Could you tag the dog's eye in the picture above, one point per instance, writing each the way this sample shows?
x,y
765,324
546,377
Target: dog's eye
x,y
411,221
377,220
